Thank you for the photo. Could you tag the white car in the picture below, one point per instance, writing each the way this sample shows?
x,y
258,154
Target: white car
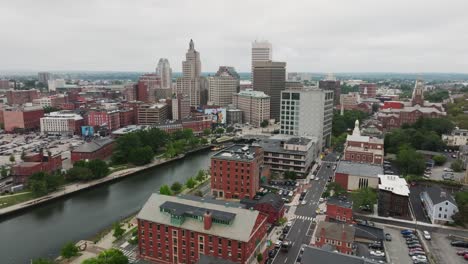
x,y
303,202
317,179
377,253
289,224
278,243
290,194
419,257
448,170
321,200
280,192
427,236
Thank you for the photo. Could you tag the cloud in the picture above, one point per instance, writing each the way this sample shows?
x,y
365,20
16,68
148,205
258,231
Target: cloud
x,y
317,36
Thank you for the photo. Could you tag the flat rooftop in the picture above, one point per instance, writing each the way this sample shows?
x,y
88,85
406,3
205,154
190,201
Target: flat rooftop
x,y
237,152
394,184
359,169
340,201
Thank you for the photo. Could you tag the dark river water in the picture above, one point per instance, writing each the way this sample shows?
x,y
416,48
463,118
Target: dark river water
x,y
42,231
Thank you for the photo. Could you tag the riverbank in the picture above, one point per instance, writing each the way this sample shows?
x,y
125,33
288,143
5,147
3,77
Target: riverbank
x,y
70,189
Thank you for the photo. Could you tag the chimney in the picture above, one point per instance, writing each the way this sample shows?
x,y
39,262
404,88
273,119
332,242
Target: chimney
x,y
207,220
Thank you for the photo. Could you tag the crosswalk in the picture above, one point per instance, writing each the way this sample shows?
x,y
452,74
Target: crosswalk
x,y
130,254
307,218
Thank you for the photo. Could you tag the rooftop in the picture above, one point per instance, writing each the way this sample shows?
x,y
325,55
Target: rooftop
x,y
252,93
240,227
237,152
394,184
275,143
361,149
269,198
359,169
335,231
439,195
369,232
93,145
340,201
318,255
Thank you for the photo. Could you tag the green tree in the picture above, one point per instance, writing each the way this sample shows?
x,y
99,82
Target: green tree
x,y
364,197
409,161
206,131
204,141
99,168
110,256
3,171
457,165
264,123
69,250
259,257
79,174
461,217
118,230
200,175
291,175
439,159
219,130
338,142
141,155
336,188
12,158
38,188
165,190
42,261
190,183
176,187
49,109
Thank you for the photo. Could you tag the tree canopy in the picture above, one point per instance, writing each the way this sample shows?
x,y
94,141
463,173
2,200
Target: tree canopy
x,y
69,250
409,161
42,183
364,197
110,256
342,123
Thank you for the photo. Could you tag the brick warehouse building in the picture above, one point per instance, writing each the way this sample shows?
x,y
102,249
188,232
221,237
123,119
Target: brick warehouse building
x,y
179,229
22,118
393,197
33,163
96,149
236,171
19,97
270,204
338,235
101,117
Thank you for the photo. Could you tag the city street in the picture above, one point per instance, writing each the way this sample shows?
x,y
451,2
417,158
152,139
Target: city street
x,y
303,226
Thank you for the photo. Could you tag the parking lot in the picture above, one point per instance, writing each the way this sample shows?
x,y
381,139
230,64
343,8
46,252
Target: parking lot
x,y
442,251
396,249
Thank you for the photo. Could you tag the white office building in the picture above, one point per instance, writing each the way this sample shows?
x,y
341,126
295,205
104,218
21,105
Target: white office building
x,y
164,71
62,122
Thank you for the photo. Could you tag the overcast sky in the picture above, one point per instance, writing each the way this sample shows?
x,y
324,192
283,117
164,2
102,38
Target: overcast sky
x,y
310,35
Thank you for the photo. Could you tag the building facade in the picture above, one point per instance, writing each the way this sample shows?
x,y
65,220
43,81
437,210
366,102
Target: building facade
x,y
438,204
458,137
179,229
330,83
368,90
189,83
270,204
356,175
233,116
164,71
222,86
180,107
255,106
340,210
62,122
97,149
236,171
19,97
102,117
261,51
151,114
34,163
338,235
269,77
393,197
26,118
363,148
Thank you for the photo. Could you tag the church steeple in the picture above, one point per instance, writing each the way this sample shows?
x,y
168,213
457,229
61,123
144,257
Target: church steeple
x,y
356,131
191,45
418,93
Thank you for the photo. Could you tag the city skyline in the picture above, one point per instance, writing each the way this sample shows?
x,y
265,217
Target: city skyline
x,y
351,37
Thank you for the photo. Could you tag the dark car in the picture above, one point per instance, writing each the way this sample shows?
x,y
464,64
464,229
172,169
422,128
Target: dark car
x,y
282,237
285,229
388,237
459,244
272,253
414,246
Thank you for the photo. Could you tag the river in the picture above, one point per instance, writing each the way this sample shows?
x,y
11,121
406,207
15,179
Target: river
x,y
42,231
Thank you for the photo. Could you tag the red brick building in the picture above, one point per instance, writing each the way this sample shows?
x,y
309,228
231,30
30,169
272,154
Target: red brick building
x,y
96,149
22,118
179,229
236,171
363,148
127,117
338,235
197,123
19,97
101,117
368,90
356,175
146,88
270,204
34,163
339,209
393,105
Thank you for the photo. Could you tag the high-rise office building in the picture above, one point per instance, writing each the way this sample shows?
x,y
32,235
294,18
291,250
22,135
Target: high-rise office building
x,y
261,51
165,73
255,106
306,112
44,77
223,85
180,107
269,77
330,83
189,83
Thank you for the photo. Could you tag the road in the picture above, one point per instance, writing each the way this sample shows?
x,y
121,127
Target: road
x,y
303,227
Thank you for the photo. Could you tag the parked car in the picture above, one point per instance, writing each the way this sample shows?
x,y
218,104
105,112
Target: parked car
x,y
419,257
412,242
377,253
416,253
282,237
278,243
303,202
388,237
406,231
415,246
427,236
272,253
459,244
462,252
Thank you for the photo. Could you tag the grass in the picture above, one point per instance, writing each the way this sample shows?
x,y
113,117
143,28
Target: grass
x,y
10,200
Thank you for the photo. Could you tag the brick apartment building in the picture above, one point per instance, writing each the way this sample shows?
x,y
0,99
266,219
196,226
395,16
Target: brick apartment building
x,y
127,117
270,204
393,196
365,149
101,117
180,229
96,149
33,163
338,235
22,118
236,171
19,97
368,90
339,209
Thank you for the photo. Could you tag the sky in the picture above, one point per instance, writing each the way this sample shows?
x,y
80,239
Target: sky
x,y
310,35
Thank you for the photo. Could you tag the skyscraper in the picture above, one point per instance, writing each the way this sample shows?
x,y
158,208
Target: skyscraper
x,y
306,112
223,85
261,51
43,77
269,77
189,83
165,73
330,83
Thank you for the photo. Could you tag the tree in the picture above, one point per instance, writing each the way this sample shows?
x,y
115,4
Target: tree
x,y
42,183
457,165
375,107
264,123
336,188
42,261
165,190
229,129
69,250
141,155
461,217
291,175
410,161
110,256
364,197
199,193
118,230
12,158
206,131
200,175
219,130
190,183
259,257
176,187
79,174
99,168
204,141
3,172
439,159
